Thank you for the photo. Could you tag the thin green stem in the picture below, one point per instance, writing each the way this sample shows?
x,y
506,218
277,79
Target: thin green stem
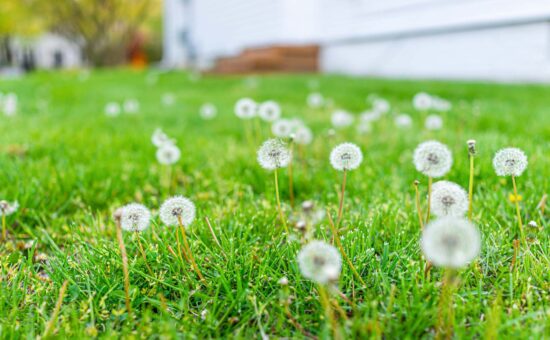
x,y
142,251
446,311
336,237
329,315
430,180
189,252
281,217
341,205
418,206
55,313
125,272
290,175
471,188
518,212
4,230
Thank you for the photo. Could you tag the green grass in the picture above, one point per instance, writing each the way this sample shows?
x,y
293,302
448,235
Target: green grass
x,y
70,166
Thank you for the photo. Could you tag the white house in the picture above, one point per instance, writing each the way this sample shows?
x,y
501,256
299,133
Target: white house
x,y
47,51
502,40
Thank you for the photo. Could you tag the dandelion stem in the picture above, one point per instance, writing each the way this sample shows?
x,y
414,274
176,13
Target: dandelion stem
x,y
57,308
189,252
214,235
518,213
290,176
471,188
339,244
124,268
446,312
418,207
279,202
142,251
341,206
429,198
4,231
329,315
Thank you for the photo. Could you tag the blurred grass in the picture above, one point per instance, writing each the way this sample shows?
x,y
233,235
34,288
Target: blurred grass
x,y
70,166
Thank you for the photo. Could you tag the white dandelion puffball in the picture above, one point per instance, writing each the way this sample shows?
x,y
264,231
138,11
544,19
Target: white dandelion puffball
x,y
369,116
433,122
381,105
448,199
364,128
341,119
177,208
9,102
441,105
168,99
433,159
131,106
269,111
245,108
168,154
403,121
273,154
450,242
208,111
282,128
303,135
422,101
159,138
510,162
135,217
320,262
315,100
346,156
112,109
7,208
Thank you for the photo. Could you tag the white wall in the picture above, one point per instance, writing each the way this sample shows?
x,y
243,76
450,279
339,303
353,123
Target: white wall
x,y
176,22
514,53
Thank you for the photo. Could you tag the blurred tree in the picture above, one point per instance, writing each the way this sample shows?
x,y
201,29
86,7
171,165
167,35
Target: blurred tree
x,y
17,18
103,28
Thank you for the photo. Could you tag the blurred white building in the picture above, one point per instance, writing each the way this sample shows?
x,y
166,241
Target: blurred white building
x,y
47,51
503,40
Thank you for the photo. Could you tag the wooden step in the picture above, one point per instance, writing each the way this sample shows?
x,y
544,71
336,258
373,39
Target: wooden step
x,y
277,58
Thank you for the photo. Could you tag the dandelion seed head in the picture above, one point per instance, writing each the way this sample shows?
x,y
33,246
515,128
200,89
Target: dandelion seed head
x,y
510,162
303,135
273,154
422,101
159,138
282,128
433,122
168,99
320,262
381,105
269,111
208,111
168,154
341,119
8,208
112,109
177,207
433,159
450,242
346,156
135,217
403,121
441,105
9,103
448,199
471,146
315,100
131,106
246,108
369,116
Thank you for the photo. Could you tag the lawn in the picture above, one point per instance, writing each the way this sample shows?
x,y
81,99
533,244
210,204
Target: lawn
x,y
70,166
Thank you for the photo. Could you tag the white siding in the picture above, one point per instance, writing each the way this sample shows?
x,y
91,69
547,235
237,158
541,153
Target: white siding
x,y
514,53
